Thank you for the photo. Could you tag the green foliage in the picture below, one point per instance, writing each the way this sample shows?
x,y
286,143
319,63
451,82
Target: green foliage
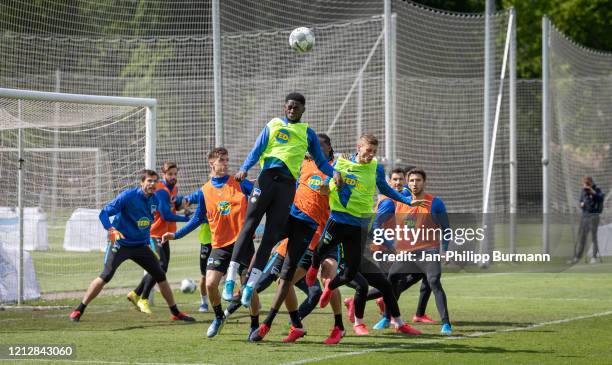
x,y
587,22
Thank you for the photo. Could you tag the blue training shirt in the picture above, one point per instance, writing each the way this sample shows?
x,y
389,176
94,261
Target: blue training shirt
x,y
133,213
199,217
314,148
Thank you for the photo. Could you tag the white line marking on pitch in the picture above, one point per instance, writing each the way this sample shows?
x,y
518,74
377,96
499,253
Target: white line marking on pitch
x,y
471,335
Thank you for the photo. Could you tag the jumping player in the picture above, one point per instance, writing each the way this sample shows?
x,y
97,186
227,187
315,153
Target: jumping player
x,y
308,215
280,149
351,210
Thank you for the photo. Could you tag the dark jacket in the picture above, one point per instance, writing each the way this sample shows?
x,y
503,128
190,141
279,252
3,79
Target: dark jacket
x,y
592,203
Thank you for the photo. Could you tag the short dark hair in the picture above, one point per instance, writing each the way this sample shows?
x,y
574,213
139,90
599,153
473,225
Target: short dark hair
x,y
217,152
326,138
417,171
144,173
397,170
370,139
169,165
297,97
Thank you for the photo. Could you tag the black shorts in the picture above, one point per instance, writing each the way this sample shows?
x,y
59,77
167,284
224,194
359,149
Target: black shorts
x,y
274,265
142,255
220,258
204,254
306,260
335,255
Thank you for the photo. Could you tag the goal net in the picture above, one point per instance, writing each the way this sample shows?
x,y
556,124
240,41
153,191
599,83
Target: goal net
x,y
76,152
438,67
581,128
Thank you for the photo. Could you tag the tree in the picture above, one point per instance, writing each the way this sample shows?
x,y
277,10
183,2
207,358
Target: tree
x,y
587,22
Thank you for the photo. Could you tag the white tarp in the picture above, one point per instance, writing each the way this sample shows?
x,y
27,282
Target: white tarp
x,y
35,227
9,274
604,241
84,232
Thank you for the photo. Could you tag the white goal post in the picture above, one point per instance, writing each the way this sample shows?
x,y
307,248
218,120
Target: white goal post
x,y
149,103
10,121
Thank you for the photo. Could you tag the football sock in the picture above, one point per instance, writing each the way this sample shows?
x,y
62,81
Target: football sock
x,y
295,319
254,276
254,321
270,317
218,311
232,270
338,321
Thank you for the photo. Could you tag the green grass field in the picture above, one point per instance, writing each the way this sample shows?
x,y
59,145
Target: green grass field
x,y
497,319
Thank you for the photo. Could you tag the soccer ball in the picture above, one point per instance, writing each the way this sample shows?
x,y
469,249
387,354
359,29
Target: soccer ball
x,y
302,39
188,286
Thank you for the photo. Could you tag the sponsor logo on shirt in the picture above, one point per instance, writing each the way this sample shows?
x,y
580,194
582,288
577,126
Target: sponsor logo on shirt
x,y
351,181
282,136
224,208
143,223
315,182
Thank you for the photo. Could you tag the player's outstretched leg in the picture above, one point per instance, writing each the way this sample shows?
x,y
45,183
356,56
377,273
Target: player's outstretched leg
x,y
95,287
147,260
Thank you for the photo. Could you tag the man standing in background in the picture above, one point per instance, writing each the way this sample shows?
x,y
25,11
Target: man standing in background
x,y
591,203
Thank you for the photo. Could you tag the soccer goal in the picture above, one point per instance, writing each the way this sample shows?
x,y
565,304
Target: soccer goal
x,y
62,152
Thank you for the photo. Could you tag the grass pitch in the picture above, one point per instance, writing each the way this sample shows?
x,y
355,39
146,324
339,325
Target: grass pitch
x,y
497,319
